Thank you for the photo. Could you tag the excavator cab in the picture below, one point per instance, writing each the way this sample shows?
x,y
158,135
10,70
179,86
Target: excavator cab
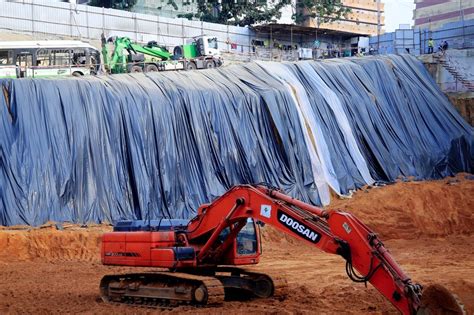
x,y
245,248
247,239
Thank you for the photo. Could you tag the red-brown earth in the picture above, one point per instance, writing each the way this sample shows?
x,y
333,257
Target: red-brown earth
x,y
426,225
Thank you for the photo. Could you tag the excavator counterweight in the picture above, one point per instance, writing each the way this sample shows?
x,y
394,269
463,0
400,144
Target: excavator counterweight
x,y
202,254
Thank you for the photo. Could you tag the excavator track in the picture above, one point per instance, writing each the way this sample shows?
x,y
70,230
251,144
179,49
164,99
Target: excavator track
x,y
170,289
262,285
161,289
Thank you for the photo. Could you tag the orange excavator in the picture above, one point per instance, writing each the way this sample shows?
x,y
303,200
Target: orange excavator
x,y
202,254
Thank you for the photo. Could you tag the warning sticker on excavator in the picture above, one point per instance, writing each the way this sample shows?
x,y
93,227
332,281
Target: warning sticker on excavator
x,y
266,211
347,227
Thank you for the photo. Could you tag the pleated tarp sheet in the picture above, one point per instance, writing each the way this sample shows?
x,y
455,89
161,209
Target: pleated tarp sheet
x,y
141,146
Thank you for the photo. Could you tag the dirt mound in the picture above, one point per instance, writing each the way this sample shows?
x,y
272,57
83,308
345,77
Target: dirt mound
x,y
437,299
50,244
409,210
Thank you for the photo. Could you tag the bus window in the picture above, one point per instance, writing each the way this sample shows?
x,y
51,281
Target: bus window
x,y
43,58
24,60
60,57
6,57
8,69
95,61
79,57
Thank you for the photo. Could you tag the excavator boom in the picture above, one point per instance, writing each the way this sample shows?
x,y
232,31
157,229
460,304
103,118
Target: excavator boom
x,y
334,232
154,51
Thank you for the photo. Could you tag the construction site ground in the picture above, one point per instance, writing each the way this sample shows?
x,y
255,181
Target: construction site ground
x,y
426,225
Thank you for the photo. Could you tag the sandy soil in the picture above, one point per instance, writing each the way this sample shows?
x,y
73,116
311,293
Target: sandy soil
x,y
426,225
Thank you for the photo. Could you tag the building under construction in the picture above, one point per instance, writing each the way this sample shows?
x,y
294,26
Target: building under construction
x,y
432,15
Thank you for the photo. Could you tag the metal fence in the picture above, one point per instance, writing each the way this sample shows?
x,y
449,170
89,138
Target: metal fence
x,y
43,17
457,34
48,19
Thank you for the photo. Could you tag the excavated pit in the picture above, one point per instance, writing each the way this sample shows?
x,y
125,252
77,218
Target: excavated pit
x,y
427,226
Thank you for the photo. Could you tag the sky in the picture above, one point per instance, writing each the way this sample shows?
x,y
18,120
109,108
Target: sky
x,y
398,12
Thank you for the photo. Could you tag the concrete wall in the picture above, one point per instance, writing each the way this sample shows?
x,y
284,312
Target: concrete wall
x,y
462,60
164,8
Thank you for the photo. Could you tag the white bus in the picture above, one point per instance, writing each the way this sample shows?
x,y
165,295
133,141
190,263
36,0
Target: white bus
x,y
47,58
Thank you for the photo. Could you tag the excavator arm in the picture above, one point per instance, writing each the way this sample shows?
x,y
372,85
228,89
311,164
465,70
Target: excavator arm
x,y
335,232
118,61
155,51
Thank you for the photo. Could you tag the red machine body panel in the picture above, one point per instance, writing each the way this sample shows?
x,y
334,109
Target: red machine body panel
x,y
135,248
164,249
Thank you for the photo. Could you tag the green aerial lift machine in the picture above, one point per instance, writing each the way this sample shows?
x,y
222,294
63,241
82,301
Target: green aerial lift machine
x,y
127,56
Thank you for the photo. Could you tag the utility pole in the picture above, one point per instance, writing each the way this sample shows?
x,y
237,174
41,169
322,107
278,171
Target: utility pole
x,y
271,42
378,26
461,12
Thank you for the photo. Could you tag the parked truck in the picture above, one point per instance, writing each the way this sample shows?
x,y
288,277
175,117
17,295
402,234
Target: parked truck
x,y
128,57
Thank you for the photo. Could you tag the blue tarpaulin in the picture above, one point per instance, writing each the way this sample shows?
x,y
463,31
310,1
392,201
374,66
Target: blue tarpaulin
x,y
140,146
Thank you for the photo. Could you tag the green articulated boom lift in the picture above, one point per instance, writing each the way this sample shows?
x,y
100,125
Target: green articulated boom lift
x,y
126,57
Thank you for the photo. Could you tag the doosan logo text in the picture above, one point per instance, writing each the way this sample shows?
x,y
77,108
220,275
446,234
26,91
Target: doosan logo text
x,y
298,227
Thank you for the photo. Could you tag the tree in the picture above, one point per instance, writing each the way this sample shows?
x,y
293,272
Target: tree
x,y
248,12
114,4
323,10
238,12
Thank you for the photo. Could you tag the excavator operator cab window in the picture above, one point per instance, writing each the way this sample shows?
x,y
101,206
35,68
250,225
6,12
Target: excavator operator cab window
x,y
247,239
